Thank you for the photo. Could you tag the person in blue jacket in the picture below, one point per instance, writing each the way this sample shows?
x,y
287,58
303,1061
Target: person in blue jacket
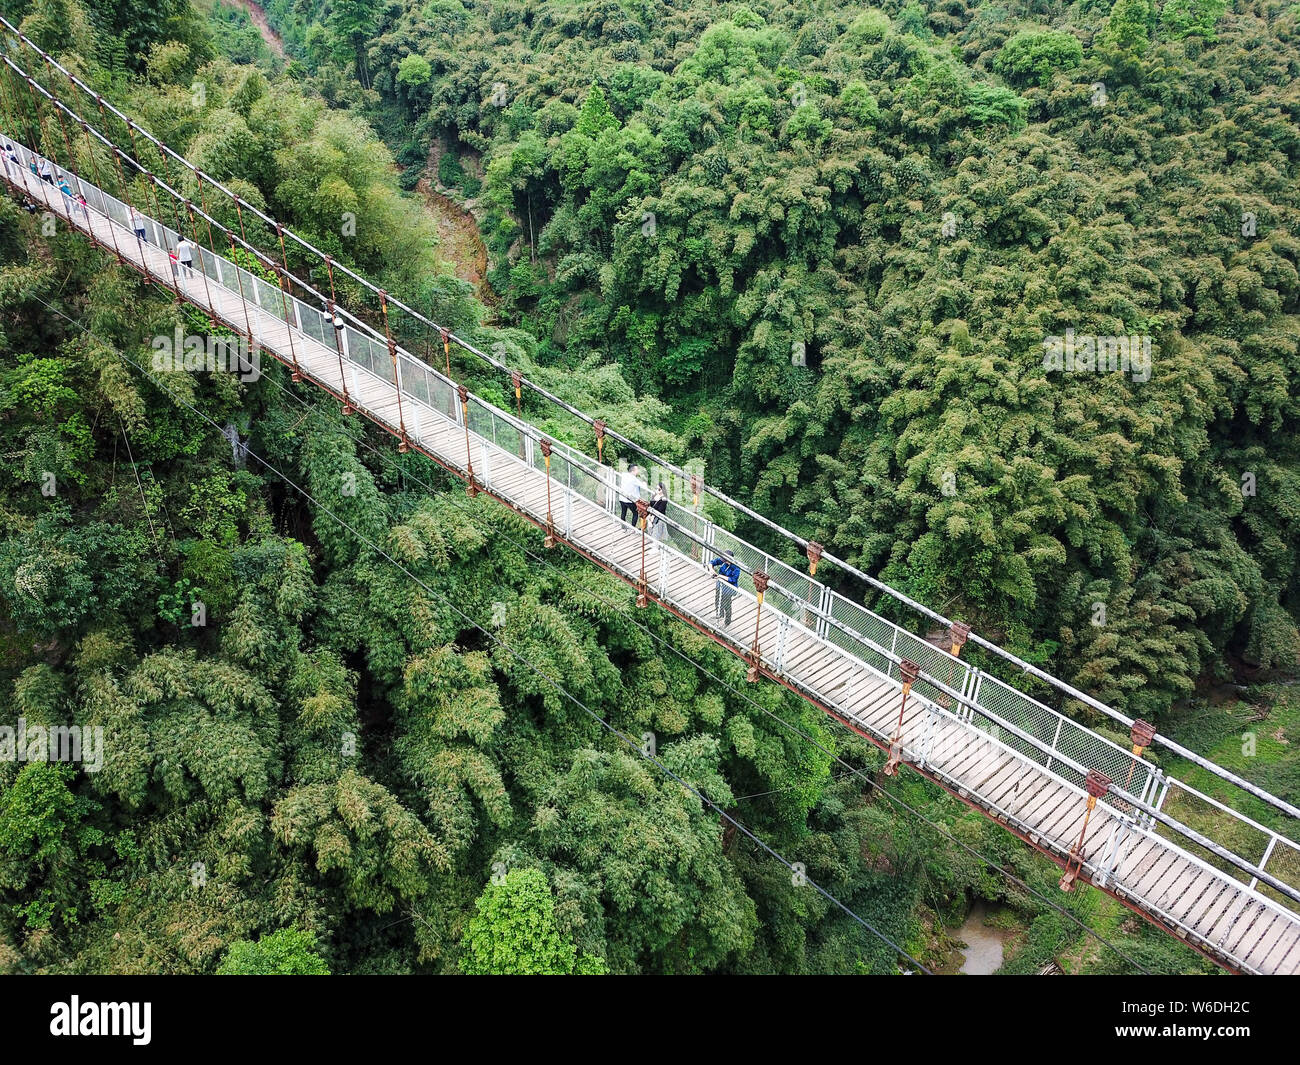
x,y
726,580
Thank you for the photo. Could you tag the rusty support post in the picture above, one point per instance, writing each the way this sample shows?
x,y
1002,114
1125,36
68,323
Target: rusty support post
x,y
1098,784
755,653
550,522
814,551
463,393
405,444
1141,734
642,598
909,671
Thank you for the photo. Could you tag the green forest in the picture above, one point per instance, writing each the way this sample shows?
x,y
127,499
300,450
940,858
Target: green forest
x,y
822,249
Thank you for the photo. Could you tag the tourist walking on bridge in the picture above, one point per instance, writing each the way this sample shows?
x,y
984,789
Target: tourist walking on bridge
x,y
137,224
658,508
629,491
726,579
185,255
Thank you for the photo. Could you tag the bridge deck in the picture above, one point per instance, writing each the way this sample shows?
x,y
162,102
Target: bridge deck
x,y
1210,908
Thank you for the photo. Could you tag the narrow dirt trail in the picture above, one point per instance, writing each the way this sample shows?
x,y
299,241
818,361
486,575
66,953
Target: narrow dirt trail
x,y
459,240
259,19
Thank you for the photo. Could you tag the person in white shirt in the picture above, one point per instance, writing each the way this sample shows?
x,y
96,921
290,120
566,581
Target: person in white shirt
x,y
47,171
185,255
629,491
11,160
137,224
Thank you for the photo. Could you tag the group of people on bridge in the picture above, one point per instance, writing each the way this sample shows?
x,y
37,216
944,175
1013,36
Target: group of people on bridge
x,y
631,489
726,570
182,256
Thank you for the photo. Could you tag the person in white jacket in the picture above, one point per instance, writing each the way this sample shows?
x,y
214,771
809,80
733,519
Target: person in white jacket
x,y
185,250
629,491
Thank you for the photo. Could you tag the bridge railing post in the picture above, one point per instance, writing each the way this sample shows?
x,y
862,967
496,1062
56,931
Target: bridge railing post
x,y
923,751
779,663
1110,855
485,464
568,504
1268,853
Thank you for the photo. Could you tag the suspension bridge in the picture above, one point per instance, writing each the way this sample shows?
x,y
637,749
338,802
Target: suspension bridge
x,y
1104,812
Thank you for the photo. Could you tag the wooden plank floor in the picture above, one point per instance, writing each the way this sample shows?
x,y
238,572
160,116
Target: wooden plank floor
x,y
1148,870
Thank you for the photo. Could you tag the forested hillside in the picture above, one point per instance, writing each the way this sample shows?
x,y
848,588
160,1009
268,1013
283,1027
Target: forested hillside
x,y
824,248
909,201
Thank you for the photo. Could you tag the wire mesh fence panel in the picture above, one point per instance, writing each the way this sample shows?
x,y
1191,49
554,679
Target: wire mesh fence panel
x,y
934,661
559,474
416,381
356,347
206,264
1092,752
118,211
1004,704
446,396
1007,704
1284,864
314,325
94,198
381,363
1250,841
480,418
589,484
687,529
777,599
268,297
509,437
864,631
367,354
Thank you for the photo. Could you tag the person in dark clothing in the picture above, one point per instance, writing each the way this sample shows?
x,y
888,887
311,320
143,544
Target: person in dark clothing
x,y
725,582
658,508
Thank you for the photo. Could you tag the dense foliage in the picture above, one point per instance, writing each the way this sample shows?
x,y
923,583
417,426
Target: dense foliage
x,y
347,770
910,201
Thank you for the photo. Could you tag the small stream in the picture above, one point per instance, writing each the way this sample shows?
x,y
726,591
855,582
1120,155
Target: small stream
x,y
984,944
